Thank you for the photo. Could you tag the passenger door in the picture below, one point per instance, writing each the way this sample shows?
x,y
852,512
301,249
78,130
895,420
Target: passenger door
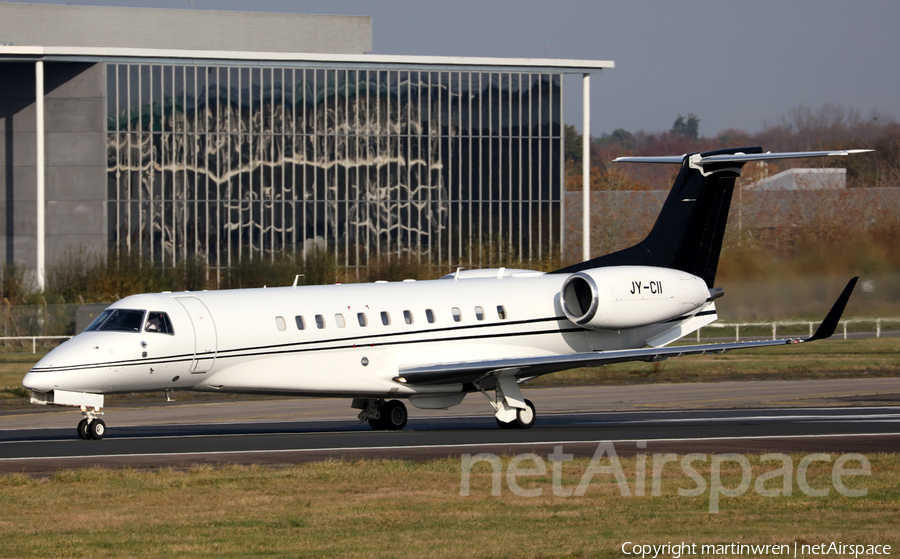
x,y
205,339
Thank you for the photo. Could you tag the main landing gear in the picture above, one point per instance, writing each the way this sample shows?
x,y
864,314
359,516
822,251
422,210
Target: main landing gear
x,y
91,427
381,415
511,410
524,418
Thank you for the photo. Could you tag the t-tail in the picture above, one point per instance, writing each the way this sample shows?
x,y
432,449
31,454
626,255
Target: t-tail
x,y
688,233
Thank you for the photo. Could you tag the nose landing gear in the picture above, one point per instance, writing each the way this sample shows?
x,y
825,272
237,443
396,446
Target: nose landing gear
x,y
91,427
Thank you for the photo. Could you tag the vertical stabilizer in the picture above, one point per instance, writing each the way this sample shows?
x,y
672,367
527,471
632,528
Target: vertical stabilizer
x,y
688,233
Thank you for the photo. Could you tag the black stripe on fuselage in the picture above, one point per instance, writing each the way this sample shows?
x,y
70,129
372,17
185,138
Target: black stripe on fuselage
x,y
395,334
334,343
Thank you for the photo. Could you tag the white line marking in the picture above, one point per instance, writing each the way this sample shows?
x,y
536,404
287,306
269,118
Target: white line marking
x,y
412,447
893,416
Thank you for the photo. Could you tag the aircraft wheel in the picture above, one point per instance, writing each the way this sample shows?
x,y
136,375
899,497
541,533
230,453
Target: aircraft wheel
x,y
525,417
393,415
376,424
96,429
506,424
83,430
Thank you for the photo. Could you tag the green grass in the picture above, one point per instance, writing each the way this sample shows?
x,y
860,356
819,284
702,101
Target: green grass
x,y
13,367
414,509
869,357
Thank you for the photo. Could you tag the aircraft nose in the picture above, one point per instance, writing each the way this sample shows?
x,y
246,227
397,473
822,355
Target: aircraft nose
x,y
38,381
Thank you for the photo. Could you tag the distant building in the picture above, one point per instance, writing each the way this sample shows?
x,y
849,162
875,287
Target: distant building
x,y
803,179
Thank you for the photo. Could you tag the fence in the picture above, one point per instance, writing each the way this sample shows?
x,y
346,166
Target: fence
x,y
795,325
27,321
34,340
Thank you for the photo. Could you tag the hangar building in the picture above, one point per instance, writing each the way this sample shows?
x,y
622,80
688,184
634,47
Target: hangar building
x,y
176,134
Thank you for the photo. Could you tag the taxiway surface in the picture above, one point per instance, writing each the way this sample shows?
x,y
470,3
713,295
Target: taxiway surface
x,y
852,415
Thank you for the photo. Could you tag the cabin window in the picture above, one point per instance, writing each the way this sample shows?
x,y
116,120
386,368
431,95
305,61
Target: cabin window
x,y
429,316
159,322
479,313
457,314
118,320
280,324
501,312
339,320
407,317
301,324
361,317
320,321
385,318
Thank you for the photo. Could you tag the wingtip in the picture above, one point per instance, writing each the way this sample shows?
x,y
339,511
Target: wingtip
x,y
850,151
829,325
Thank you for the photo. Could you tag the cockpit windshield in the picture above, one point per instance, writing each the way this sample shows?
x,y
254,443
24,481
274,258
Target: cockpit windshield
x,y
117,320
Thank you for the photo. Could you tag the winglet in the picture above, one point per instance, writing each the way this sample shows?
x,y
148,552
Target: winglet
x,y
826,329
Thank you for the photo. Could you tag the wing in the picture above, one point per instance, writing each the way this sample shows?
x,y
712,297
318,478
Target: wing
x,y
529,367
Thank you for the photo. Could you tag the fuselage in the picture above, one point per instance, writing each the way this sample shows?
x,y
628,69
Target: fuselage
x,y
340,340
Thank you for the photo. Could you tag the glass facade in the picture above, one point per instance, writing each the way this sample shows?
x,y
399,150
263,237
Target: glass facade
x,y
225,163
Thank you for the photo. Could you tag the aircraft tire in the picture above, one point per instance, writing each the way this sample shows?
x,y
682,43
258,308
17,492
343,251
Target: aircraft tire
x,y
376,425
506,424
394,415
525,417
83,430
97,429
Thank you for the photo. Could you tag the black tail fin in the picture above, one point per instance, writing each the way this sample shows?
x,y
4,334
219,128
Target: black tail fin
x,y
689,230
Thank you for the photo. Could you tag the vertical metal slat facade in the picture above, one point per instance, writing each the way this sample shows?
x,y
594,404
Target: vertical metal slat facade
x,y
230,163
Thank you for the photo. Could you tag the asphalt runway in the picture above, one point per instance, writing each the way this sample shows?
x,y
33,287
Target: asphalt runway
x,y
853,415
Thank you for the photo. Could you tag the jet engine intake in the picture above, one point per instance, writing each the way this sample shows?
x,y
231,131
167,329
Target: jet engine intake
x,y
629,296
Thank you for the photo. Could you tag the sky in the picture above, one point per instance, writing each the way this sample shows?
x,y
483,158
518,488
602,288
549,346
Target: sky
x,y
734,64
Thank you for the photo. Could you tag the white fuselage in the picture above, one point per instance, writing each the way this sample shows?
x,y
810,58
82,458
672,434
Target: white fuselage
x,y
355,337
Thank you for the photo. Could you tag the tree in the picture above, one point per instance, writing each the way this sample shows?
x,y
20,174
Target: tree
x,y
620,138
690,128
573,145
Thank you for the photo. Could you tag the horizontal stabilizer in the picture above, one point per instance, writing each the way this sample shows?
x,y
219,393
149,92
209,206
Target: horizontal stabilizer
x,y
715,157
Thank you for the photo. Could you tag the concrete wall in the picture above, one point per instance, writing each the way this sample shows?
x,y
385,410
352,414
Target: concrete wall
x,y
75,156
90,26
802,179
75,159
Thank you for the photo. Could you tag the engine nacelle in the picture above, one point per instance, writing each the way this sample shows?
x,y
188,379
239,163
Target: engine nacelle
x,y
629,296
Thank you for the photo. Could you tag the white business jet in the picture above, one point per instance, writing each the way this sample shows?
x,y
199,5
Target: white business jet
x,y
428,342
